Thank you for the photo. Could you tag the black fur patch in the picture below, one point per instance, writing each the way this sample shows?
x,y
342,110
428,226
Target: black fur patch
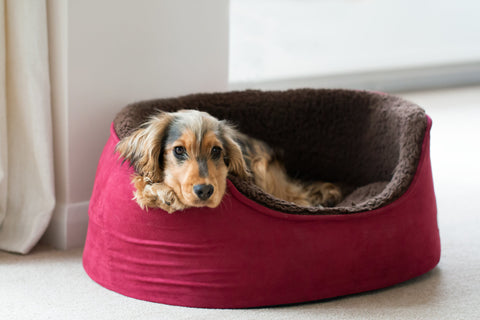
x,y
202,167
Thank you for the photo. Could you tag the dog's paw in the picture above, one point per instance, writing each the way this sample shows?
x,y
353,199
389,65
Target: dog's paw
x,y
331,198
158,195
168,200
324,194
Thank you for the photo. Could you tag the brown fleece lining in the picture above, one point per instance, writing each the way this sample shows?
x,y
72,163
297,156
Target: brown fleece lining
x,y
367,141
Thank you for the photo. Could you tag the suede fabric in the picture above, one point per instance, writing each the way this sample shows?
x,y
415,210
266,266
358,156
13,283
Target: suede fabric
x,y
243,254
362,140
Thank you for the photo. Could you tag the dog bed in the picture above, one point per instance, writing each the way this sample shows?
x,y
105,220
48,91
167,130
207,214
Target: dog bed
x,y
255,250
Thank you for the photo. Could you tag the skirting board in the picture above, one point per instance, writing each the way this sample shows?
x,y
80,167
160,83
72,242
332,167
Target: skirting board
x,y
395,80
68,228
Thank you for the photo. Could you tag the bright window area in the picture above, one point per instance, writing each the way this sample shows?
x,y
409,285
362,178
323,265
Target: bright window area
x,y
285,39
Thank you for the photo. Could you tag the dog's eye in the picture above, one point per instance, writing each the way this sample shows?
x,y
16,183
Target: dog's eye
x,y
179,151
216,151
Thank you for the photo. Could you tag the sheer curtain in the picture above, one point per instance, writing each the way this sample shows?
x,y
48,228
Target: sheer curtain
x,y
27,195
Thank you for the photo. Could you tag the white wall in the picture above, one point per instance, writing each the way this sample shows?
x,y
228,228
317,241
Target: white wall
x,y
107,54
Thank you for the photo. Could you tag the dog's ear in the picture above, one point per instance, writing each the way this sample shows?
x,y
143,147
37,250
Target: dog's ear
x,y
144,147
233,153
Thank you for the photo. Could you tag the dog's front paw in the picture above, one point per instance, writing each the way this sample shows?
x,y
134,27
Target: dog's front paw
x,y
167,199
156,195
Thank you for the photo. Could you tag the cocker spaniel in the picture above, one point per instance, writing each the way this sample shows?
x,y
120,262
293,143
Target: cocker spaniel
x,y
182,160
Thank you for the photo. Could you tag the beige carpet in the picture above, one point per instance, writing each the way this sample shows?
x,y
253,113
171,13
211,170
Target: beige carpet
x,y
50,284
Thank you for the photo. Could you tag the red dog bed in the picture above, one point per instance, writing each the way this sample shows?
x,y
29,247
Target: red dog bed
x,y
256,250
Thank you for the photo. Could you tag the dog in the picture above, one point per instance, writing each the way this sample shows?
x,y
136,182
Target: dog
x,y
182,160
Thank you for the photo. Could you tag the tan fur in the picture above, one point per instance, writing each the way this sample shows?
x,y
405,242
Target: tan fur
x,y
270,175
143,147
165,180
182,178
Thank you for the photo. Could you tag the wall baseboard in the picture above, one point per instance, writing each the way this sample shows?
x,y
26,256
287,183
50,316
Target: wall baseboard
x,y
395,80
68,228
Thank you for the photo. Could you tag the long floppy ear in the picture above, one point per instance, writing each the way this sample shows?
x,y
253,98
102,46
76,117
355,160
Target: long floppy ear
x,y
233,153
144,147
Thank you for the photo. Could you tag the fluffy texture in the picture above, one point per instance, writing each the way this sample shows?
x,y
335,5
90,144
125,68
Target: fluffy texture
x,y
366,141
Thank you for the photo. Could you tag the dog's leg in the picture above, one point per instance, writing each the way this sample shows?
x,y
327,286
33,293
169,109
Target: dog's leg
x,y
272,177
150,194
323,194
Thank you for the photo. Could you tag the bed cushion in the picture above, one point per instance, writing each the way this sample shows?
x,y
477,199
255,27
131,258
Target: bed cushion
x,y
256,250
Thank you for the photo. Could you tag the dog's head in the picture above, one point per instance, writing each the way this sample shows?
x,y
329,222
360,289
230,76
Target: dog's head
x,y
190,151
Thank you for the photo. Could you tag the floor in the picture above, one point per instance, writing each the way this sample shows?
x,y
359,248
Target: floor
x,y
50,284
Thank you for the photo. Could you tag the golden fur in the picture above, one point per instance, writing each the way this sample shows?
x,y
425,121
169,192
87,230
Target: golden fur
x,y
182,160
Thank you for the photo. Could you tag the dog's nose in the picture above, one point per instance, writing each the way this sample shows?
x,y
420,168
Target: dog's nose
x,y
203,191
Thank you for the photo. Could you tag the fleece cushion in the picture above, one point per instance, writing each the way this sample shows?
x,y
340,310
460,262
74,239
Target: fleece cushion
x,y
256,250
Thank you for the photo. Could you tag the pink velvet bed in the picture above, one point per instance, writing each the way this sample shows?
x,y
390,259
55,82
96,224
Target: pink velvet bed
x,y
255,250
